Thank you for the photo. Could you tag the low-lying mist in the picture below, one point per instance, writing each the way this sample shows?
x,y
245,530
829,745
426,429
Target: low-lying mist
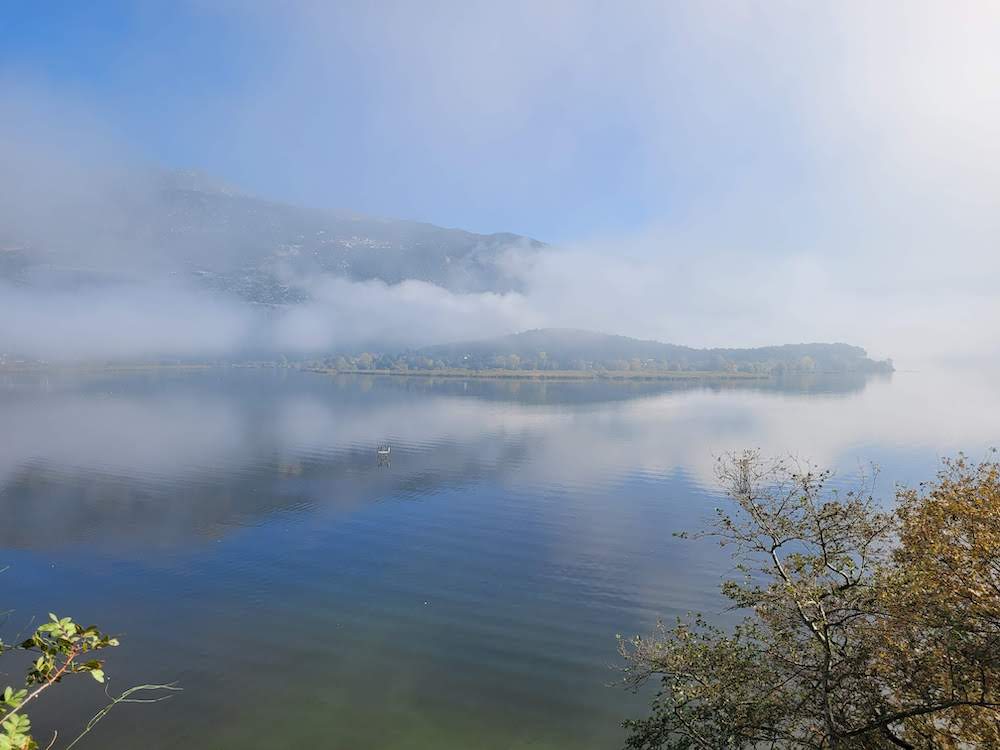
x,y
104,287
616,286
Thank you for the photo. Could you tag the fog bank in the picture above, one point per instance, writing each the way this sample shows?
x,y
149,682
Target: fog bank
x,y
782,174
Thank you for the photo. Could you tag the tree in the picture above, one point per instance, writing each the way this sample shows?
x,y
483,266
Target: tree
x,y
718,363
946,579
62,648
866,628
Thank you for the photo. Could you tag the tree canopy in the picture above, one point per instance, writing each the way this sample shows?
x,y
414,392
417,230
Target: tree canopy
x,y
866,627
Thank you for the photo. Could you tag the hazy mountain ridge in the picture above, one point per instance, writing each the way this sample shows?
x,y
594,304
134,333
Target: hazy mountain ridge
x,y
165,254
182,226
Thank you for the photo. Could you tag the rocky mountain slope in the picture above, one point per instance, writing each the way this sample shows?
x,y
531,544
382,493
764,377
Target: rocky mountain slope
x,y
181,226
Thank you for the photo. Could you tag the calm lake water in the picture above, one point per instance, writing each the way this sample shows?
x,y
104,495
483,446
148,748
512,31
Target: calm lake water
x,y
237,529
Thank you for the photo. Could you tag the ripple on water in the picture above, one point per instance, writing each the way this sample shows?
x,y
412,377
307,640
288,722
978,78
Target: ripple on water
x,y
240,531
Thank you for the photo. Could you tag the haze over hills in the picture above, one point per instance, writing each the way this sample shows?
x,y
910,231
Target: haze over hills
x,y
665,241
165,225
142,264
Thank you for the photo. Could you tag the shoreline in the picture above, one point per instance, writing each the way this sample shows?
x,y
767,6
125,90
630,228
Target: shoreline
x,y
564,375
580,376
48,367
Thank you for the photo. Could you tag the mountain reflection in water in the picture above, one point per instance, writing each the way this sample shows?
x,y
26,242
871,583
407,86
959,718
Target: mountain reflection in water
x,y
237,527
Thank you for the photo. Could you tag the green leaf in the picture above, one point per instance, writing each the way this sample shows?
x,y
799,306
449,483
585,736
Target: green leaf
x,y
97,674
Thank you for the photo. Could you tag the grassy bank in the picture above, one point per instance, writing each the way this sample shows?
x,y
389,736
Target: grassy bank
x,y
622,375
445,372
29,367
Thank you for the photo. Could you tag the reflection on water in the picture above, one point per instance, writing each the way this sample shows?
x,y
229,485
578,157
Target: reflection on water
x,y
237,526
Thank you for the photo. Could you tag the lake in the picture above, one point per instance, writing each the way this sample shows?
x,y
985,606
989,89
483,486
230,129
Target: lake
x,y
236,527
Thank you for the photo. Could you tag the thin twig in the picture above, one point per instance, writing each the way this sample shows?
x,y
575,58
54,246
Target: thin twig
x,y
124,698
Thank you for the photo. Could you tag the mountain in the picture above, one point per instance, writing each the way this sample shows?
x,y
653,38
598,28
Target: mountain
x,y
165,225
156,227
571,349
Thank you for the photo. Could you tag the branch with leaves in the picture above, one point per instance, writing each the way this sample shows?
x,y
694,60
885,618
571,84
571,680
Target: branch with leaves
x,y
63,648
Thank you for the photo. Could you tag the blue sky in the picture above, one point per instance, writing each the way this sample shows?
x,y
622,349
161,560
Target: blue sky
x,y
561,123
724,173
